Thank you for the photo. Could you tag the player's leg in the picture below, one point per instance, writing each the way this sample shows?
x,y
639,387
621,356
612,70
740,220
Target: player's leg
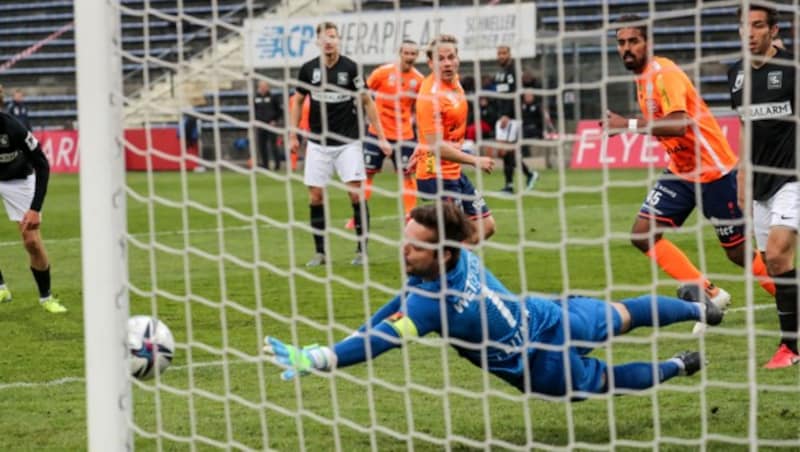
x,y
509,159
720,206
13,215
373,164
349,165
317,174
782,214
475,208
263,152
667,205
409,181
589,323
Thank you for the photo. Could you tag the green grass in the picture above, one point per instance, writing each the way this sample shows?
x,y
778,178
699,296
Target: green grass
x,y
238,274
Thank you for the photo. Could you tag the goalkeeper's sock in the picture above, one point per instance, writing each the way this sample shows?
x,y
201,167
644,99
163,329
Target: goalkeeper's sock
x,y
786,302
409,194
318,224
42,278
760,270
674,262
639,375
361,227
669,310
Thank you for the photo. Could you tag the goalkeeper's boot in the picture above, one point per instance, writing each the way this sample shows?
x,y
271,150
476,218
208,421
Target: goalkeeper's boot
x,y
715,303
5,295
783,357
689,363
52,305
316,261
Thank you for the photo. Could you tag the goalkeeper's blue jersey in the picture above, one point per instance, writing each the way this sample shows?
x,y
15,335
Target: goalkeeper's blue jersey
x,y
489,325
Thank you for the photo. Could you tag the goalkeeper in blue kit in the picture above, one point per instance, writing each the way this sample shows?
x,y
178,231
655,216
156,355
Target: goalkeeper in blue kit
x,y
520,340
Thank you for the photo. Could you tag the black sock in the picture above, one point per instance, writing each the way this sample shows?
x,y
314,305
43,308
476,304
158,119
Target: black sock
x,y
361,228
786,302
2,281
509,162
318,224
525,170
42,278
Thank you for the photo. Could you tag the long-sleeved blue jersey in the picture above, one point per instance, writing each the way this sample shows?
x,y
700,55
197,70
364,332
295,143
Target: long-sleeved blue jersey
x,y
489,325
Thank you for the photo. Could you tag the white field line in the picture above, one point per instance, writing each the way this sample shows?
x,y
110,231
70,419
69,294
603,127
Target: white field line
x,y
70,380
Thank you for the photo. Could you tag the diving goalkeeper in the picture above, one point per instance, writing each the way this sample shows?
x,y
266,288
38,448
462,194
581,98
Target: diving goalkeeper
x,y
449,292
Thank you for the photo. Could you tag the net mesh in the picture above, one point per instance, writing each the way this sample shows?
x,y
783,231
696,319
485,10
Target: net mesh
x,y
218,243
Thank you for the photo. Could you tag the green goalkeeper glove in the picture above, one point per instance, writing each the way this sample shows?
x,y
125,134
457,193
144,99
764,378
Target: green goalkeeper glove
x,y
299,361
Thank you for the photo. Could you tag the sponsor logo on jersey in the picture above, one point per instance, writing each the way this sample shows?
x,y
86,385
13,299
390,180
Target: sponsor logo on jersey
x,y
8,157
766,111
330,97
316,76
502,88
653,106
31,141
775,80
739,82
4,141
342,78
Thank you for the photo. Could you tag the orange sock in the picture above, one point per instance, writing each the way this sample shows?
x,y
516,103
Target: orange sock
x,y
367,189
409,193
760,270
674,262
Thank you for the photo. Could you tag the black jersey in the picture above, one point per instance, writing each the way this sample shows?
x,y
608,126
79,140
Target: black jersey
x,y
773,113
267,107
338,97
505,82
20,155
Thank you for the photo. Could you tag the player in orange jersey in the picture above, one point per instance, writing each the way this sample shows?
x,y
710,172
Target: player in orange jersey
x,y
394,86
442,123
304,126
701,160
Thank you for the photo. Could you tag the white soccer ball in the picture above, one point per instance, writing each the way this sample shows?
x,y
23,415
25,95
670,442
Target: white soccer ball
x,y
151,345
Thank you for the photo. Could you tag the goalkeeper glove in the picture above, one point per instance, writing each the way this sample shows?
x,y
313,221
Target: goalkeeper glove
x,y
300,361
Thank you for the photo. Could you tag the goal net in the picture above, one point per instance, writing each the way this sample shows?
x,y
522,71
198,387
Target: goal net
x,y
193,225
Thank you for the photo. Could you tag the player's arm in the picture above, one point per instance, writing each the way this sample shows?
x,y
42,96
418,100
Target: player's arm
x,y
372,114
741,180
41,167
372,341
674,124
295,111
448,151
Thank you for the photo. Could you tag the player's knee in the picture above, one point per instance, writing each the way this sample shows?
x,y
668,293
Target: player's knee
x,y
641,243
736,255
778,262
32,243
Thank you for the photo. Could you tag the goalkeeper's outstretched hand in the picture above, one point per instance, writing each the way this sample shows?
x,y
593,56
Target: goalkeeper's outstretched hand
x,y
299,361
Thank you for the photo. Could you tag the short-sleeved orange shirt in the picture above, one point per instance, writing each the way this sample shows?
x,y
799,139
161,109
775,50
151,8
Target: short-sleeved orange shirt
x,y
663,88
395,94
441,110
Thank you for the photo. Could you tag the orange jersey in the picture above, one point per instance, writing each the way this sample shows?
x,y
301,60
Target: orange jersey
x,y
304,114
395,94
663,88
442,111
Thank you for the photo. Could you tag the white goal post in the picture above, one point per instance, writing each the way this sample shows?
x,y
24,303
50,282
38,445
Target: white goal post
x,y
103,216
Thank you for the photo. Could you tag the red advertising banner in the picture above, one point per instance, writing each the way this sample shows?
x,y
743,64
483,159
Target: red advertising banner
x,y
630,150
61,149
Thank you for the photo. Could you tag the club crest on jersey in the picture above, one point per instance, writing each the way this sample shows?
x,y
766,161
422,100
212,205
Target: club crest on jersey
x,y
316,76
775,80
342,78
412,83
4,141
739,82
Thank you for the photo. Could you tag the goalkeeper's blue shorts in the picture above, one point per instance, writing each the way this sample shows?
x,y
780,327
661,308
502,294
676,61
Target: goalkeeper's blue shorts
x,y
589,325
